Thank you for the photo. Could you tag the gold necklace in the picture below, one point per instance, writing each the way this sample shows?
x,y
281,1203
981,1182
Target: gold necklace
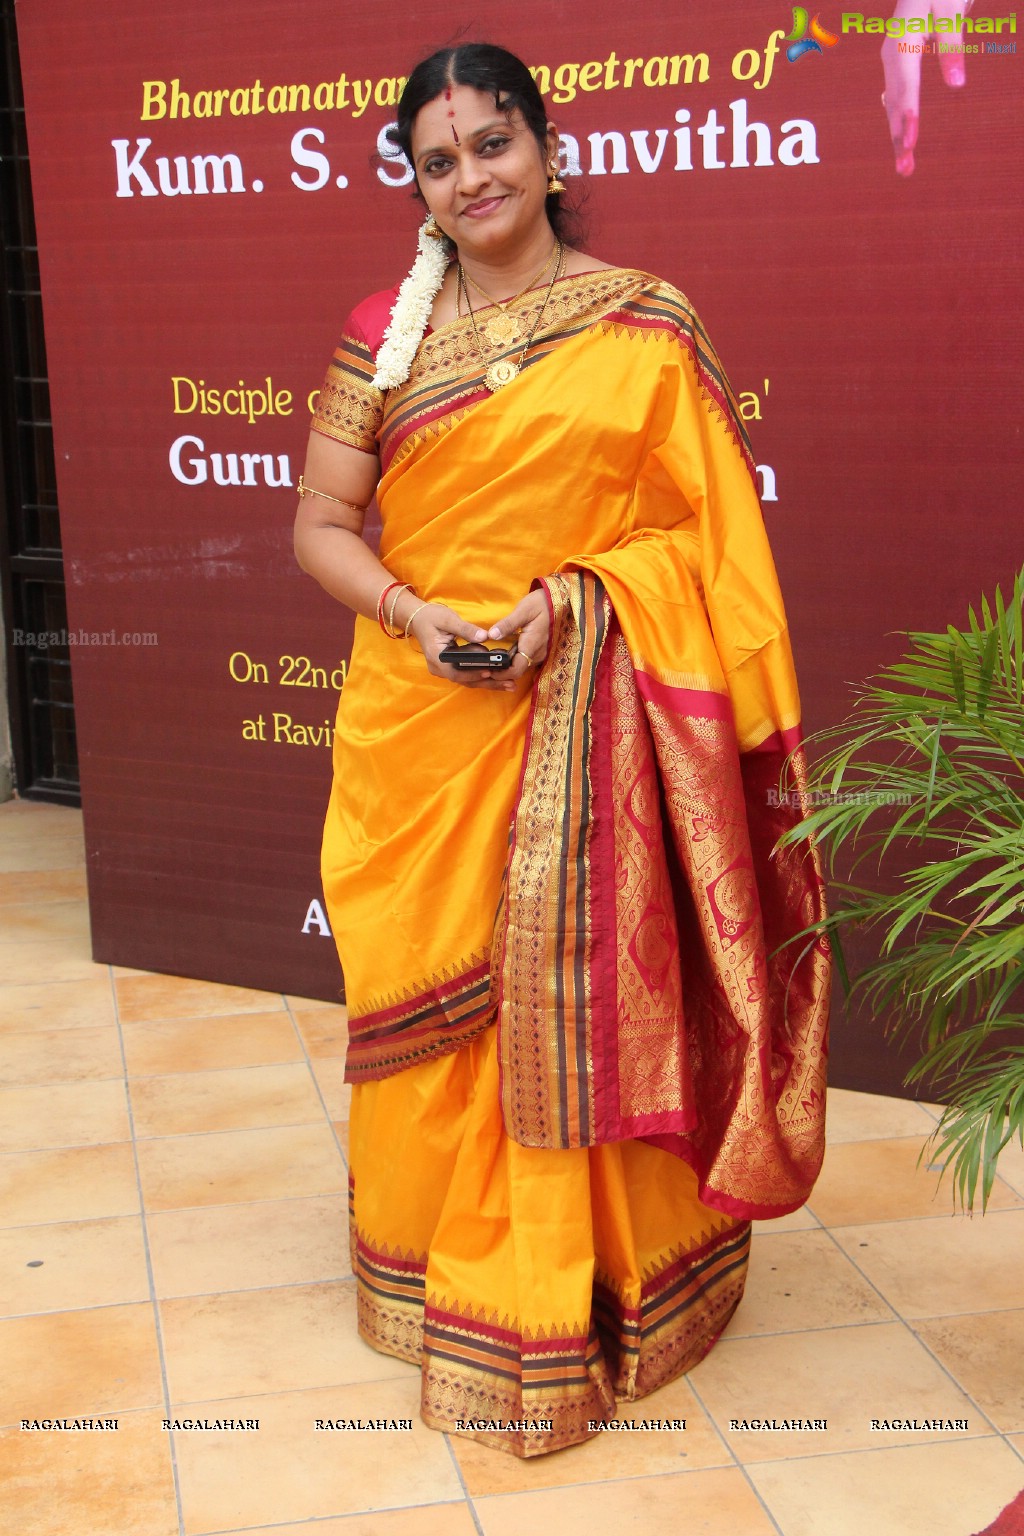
x,y
503,329
504,369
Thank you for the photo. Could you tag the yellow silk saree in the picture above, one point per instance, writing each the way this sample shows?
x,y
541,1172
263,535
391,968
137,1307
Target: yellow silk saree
x,y
584,1055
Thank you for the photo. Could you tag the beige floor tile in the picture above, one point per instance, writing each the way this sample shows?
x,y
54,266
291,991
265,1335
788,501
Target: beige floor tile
x,y
847,1376
239,1247
874,1117
48,922
38,885
882,1181
63,1115
289,1471
310,1004
57,1004
61,1056
231,1099
37,814
802,1220
67,1184
712,1503
947,1265
19,811
203,1045
279,1340
228,1167
57,959
341,1131
921,1490
69,1264
119,1483
1011,1166
329,1072
56,852
324,1030
609,1455
420,1520
801,1280
149,996
985,1352
95,1361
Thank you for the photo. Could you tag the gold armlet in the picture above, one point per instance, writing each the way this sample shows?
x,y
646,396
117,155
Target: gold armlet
x,y
307,490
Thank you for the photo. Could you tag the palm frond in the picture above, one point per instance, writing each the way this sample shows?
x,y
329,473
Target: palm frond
x,y
918,799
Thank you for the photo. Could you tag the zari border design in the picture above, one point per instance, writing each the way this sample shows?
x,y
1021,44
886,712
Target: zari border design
x,y
477,1367
433,1019
662,308
348,407
476,1370
684,1306
389,1293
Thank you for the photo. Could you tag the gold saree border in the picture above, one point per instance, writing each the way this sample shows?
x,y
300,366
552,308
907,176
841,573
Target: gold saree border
x,y
660,1001
480,1369
433,1018
447,376
349,404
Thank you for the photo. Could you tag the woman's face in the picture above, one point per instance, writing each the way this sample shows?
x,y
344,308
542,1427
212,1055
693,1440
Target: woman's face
x,y
483,175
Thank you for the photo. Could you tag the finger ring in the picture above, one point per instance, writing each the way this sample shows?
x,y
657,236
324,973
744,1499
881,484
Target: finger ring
x,y
527,658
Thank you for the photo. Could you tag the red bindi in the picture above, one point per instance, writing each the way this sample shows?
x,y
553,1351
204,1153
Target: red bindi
x,y
454,134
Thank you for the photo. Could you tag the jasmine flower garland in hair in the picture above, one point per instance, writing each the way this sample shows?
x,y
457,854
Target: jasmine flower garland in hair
x,y
411,311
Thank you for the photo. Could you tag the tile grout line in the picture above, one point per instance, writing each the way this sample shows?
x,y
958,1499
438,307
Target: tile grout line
x,y
316,1083
169,1210
235,1130
471,1506
907,1326
729,1450
154,1301
312,1521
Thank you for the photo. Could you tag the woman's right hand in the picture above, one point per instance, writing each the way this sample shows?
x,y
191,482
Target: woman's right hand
x,y
434,628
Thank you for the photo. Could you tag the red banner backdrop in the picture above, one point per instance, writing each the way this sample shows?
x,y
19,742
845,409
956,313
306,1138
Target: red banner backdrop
x,y
211,202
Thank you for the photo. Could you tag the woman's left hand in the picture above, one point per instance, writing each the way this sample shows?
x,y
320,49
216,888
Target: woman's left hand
x,y
531,620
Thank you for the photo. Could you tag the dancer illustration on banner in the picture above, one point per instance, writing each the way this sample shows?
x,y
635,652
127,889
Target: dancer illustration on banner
x,y
902,95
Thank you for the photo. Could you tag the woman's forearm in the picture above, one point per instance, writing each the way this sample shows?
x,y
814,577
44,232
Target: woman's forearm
x,y
347,568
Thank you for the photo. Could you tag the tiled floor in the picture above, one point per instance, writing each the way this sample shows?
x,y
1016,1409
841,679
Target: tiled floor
x,y
172,1245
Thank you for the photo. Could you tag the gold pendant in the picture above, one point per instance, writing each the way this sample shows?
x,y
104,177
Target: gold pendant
x,y
500,373
502,330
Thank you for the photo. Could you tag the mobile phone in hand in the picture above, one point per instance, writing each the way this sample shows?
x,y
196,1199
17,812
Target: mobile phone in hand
x,y
477,658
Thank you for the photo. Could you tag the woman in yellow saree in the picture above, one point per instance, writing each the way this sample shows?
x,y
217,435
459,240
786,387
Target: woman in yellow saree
x,y
581,1062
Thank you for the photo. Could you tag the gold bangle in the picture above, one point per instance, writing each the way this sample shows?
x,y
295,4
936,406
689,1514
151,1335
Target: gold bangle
x,y
307,490
413,615
404,587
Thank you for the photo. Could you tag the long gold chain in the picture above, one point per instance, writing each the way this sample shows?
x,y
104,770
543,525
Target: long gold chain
x,y
503,328
504,370
504,303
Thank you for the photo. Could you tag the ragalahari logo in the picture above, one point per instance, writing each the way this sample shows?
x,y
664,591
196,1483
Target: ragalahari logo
x,y
800,43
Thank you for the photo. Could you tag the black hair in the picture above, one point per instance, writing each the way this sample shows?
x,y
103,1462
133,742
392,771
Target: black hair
x,y
497,73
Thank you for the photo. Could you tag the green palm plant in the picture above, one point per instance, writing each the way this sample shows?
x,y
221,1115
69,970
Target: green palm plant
x,y
924,784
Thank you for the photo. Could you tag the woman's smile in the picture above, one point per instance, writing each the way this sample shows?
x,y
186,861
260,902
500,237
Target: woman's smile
x,y
481,209
477,165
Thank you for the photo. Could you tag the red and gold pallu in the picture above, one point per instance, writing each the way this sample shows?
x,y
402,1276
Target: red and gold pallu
x,y
553,1213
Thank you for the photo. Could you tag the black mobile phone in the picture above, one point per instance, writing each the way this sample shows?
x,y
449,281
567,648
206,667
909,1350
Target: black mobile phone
x,y
477,658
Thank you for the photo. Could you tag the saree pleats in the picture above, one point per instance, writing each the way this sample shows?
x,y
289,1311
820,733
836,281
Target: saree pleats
x,y
533,1287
